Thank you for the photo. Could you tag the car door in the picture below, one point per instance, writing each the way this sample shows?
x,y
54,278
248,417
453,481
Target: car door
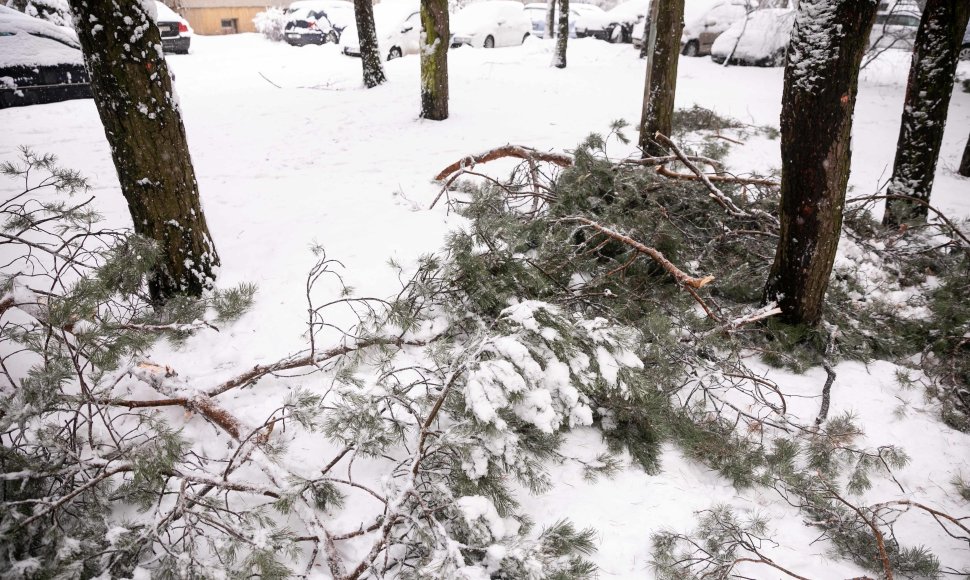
x,y
411,34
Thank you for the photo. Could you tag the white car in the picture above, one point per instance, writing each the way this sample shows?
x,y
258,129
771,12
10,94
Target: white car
x,y
699,35
894,30
317,21
537,13
490,24
398,26
592,20
624,17
760,40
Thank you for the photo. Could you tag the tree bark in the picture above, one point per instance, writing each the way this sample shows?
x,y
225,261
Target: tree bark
x,y
821,80
134,97
665,25
371,58
559,56
435,37
936,52
965,162
551,20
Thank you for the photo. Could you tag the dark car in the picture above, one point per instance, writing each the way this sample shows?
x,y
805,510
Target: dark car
x,y
39,62
308,26
175,31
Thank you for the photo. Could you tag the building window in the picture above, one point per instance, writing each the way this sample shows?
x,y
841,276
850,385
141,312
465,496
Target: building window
x,y
230,26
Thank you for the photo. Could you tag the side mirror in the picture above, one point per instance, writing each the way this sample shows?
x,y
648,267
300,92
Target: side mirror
x,y
408,29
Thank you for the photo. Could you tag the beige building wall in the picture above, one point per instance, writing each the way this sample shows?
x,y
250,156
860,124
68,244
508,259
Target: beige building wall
x,y
223,16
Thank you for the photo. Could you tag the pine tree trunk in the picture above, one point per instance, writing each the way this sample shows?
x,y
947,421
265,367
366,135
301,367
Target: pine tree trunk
x,y
371,58
559,56
434,59
666,23
551,20
936,52
133,94
821,81
965,162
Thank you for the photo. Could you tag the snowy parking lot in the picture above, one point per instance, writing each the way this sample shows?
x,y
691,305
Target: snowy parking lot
x,y
291,151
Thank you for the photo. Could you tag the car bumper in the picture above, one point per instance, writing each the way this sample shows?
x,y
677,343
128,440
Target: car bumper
x,y
178,45
598,34
297,39
351,51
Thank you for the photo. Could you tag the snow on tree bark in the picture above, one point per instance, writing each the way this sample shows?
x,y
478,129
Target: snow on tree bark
x,y
139,110
371,58
551,20
821,81
665,26
936,52
435,38
559,56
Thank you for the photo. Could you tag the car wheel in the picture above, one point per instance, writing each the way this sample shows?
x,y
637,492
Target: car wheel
x,y
965,52
395,53
616,35
524,36
332,37
691,49
489,42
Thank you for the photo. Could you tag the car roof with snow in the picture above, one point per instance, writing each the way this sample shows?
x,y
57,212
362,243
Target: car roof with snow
x,y
29,41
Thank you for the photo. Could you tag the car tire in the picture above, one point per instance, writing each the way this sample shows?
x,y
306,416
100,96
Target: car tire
x,y
394,53
489,42
332,37
615,34
965,52
778,59
524,36
691,49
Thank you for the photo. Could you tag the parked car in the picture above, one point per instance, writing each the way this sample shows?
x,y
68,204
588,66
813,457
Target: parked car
x,y
894,30
490,24
592,21
699,35
761,39
537,15
175,31
317,22
623,17
39,62
398,26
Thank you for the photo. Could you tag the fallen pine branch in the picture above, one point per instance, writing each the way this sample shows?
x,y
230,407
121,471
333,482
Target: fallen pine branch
x,y
516,151
664,171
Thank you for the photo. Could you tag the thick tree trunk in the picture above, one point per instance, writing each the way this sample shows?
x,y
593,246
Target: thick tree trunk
x,y
665,25
931,74
371,58
559,56
821,80
551,20
435,37
133,93
965,162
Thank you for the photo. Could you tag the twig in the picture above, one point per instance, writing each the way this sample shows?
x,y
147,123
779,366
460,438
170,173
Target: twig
x,y
823,412
662,170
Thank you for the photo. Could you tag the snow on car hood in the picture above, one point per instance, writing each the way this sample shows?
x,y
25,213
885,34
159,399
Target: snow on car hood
x,y
25,40
767,31
476,18
629,12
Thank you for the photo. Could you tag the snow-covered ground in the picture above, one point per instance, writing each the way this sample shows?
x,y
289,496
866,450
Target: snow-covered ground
x,y
290,150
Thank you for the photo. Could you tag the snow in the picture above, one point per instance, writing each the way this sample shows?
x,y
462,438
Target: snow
x,y
29,41
322,160
765,33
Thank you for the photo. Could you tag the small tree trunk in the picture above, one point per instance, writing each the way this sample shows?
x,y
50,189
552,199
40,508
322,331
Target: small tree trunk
x,y
133,94
559,57
666,24
965,162
821,80
551,20
936,52
371,58
435,37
